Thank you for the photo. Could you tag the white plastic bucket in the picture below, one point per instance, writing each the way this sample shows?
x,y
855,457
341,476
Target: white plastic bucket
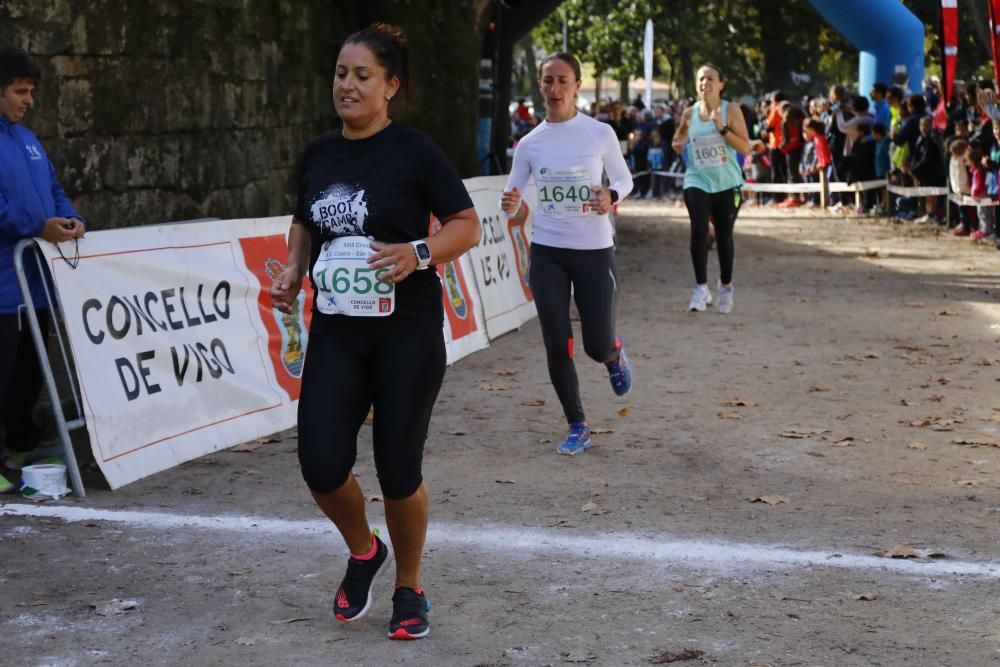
x,y
44,481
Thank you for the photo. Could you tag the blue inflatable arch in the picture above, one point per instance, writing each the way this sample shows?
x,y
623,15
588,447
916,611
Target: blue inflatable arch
x,y
889,37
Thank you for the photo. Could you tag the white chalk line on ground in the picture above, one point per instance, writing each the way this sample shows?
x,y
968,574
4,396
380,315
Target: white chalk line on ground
x,y
524,541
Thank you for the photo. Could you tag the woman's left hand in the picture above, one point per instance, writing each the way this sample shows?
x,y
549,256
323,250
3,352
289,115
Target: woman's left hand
x,y
399,258
716,117
600,200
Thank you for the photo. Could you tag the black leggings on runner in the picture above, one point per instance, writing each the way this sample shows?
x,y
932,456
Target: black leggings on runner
x,y
594,280
722,208
345,374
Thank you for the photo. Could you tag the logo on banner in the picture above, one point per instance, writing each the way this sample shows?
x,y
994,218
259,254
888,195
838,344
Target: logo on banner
x,y
455,296
522,254
341,210
291,326
384,304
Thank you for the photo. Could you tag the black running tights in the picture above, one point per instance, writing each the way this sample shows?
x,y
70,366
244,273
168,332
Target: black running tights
x,y
593,277
721,208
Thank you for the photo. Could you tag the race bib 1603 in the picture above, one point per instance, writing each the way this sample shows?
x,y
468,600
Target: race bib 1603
x,y
346,285
709,151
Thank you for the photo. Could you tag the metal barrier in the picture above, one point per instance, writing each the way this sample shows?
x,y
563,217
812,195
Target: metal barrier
x,y
63,427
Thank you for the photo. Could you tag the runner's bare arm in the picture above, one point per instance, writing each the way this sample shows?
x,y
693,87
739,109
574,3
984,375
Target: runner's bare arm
x,y
457,235
286,285
738,137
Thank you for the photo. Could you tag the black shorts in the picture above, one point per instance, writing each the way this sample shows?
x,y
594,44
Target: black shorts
x,y
398,374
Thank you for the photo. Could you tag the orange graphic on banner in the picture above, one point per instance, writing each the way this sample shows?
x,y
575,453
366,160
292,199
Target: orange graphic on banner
x,y
287,335
457,301
522,254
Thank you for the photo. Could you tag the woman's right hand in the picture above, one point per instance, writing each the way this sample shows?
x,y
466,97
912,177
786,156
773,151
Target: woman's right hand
x,y
285,289
510,201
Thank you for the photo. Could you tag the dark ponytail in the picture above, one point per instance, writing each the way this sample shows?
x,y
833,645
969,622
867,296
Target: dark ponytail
x,y
389,46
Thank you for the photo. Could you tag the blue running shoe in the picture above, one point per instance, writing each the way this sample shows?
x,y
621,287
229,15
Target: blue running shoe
x,y
620,371
577,440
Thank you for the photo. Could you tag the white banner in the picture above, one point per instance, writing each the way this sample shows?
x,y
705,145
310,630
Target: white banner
x,y
175,358
500,261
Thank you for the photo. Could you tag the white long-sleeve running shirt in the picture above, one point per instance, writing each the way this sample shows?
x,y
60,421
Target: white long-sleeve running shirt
x,y
567,160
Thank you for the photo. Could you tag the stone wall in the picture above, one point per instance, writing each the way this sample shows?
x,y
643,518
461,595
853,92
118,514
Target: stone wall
x,y
157,110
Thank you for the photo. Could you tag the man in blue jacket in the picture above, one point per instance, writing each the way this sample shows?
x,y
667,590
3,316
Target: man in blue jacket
x,y
32,204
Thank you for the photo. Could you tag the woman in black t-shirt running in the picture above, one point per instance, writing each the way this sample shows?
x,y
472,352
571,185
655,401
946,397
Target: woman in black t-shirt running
x,y
365,198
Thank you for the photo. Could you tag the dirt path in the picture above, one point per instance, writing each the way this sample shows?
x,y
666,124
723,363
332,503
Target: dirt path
x,y
849,387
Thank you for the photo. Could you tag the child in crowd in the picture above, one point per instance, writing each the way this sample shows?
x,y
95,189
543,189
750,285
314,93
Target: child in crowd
x,y
655,158
861,163
977,190
958,179
820,154
992,163
927,164
883,151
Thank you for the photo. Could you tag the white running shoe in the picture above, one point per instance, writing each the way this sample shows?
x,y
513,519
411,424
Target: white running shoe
x,y
725,304
701,298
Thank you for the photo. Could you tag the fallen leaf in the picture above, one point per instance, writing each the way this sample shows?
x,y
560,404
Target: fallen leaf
x,y
946,313
803,434
966,482
770,500
534,403
676,656
917,445
374,498
601,431
457,433
898,551
489,386
847,441
33,603
820,389
975,442
297,619
245,641
114,606
871,252
623,412
508,372
915,304
505,481
908,403
578,655
730,415
589,507
247,447
867,597
740,403
239,573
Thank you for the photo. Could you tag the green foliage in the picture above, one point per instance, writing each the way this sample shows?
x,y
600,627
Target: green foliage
x,y
758,43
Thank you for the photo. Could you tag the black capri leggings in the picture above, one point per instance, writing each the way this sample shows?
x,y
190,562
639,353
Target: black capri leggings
x,y
594,280
346,374
722,207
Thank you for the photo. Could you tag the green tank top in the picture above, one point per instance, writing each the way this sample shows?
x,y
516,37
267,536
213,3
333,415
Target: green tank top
x,y
711,162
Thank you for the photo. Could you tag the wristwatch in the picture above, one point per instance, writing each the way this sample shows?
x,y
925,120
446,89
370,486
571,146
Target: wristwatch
x,y
725,130
614,196
423,254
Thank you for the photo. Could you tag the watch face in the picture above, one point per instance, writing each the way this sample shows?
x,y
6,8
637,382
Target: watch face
x,y
423,252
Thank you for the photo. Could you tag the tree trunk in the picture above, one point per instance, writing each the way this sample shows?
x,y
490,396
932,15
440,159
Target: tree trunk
x,y
529,60
623,91
597,85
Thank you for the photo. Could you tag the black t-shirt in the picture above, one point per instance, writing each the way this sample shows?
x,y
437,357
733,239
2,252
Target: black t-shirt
x,y
384,187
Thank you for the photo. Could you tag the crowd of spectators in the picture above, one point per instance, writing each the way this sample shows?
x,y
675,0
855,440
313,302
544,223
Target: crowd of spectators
x,y
906,140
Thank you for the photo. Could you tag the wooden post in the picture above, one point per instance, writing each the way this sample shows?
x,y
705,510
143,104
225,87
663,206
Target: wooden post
x,y
886,198
824,189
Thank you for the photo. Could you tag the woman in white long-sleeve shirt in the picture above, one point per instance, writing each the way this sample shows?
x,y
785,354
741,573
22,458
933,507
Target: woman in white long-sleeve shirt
x,y
862,116
572,248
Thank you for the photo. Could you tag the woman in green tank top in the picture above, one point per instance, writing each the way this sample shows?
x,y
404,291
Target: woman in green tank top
x,y
710,134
